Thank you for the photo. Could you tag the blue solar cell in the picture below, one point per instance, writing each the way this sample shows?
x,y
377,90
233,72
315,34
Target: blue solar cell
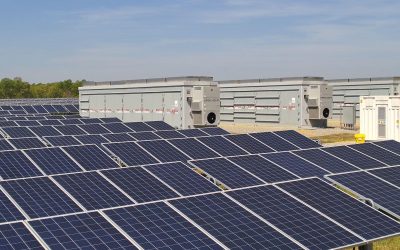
x,y
297,139
14,112
40,197
8,211
139,184
378,153
25,143
222,146
91,157
163,151
325,160
170,230
80,231
91,139
17,236
295,164
192,132
50,109
70,130
4,107
231,224
169,134
15,118
27,123
249,144
29,109
71,121
274,141
42,131
39,109
303,224
91,120
181,178
356,216
130,153
263,168
66,140
193,148
110,119
390,145
215,131
116,127
60,108
141,136
55,117
71,108
50,122
5,145
8,124
227,172
53,160
5,113
14,164
94,129
391,174
159,125
139,126
35,118
121,137
354,157
18,132
92,191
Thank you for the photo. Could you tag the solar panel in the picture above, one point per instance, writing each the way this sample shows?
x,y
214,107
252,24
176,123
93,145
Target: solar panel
x,y
53,161
391,145
354,157
14,112
274,141
192,132
250,144
295,164
325,160
8,211
159,125
231,224
391,174
182,179
5,107
72,116
157,226
222,146
163,151
50,122
298,139
110,119
60,108
5,145
17,236
5,113
42,131
29,109
263,168
18,132
80,231
70,130
227,173
92,191
91,120
130,153
356,216
71,108
139,126
141,136
193,148
50,109
14,164
55,117
303,224
91,139
40,197
369,186
94,129
71,121
378,153
66,140
121,137
139,184
39,109
15,118
8,124
91,157
169,134
27,123
215,131
25,143
116,127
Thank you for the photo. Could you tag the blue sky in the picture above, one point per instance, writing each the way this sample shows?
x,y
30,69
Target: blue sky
x,y
48,40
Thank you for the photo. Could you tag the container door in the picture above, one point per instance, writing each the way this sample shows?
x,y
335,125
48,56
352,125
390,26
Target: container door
x,y
382,109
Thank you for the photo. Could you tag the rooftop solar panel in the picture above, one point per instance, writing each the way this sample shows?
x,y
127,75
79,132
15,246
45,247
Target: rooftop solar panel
x,y
50,122
116,127
91,139
91,157
274,141
263,168
227,221
159,125
110,119
250,144
53,161
120,137
4,107
94,129
356,216
17,236
71,121
29,109
40,197
8,124
391,174
70,130
298,139
170,230
50,109
378,153
182,179
71,108
215,131
39,109
227,173
144,136
130,153
195,132
163,151
169,134
5,145
14,164
222,146
42,131
18,132
391,145
15,112
139,184
27,123
8,211
371,187
60,108
26,143
194,148
66,140
139,126
92,191
80,231
295,164
303,224
91,120
354,157
325,160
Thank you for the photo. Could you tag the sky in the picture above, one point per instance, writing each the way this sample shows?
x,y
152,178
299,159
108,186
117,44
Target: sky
x,y
48,40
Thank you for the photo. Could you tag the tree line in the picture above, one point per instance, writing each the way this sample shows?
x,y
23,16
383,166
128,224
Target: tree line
x,y
17,88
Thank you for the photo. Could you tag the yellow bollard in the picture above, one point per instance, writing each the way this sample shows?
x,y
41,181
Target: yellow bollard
x,y
360,138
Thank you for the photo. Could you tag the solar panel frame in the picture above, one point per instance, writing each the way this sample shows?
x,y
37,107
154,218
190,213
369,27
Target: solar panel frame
x,y
50,122
130,154
222,146
193,148
116,127
64,140
18,132
26,142
163,151
249,143
18,236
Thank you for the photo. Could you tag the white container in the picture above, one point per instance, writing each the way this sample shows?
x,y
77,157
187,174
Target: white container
x,y
380,117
